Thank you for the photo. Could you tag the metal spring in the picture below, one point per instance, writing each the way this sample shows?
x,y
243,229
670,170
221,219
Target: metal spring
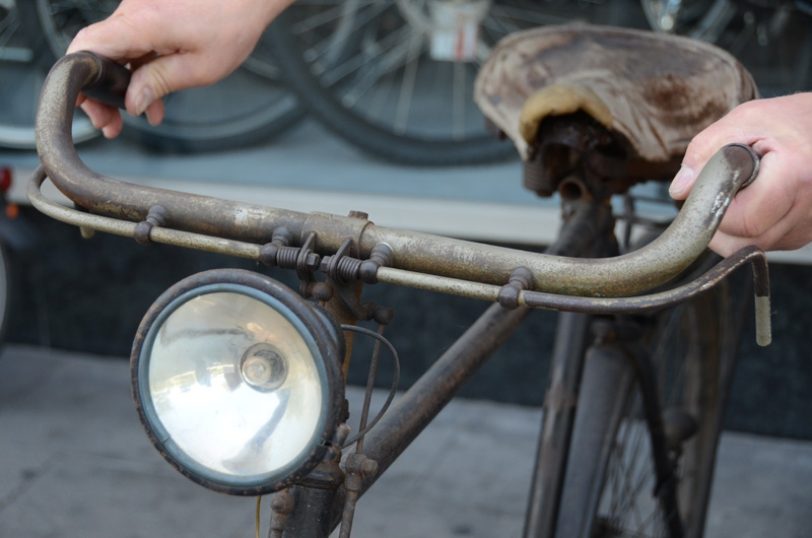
x,y
286,257
347,268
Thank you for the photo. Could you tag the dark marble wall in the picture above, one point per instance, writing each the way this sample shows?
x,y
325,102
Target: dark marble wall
x,y
90,295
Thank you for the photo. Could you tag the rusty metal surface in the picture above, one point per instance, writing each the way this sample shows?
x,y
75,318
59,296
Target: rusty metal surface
x,y
100,194
426,398
409,415
624,275
115,226
558,418
659,300
450,285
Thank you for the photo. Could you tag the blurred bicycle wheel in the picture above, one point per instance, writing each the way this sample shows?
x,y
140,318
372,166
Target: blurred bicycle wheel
x,y
21,85
245,108
395,78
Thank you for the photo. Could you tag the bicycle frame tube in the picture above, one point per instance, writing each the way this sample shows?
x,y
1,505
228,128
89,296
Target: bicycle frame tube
x,y
730,169
408,417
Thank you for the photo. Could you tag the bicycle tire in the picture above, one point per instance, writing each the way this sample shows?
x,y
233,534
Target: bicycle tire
x,y
704,345
376,132
255,108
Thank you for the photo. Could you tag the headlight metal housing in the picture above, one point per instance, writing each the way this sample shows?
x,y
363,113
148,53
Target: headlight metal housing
x,y
319,333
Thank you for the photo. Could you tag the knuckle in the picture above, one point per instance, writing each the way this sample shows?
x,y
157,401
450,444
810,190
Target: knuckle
x,y
83,36
160,80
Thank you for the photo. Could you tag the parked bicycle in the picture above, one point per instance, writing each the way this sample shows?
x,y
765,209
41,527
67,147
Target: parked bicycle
x,y
239,380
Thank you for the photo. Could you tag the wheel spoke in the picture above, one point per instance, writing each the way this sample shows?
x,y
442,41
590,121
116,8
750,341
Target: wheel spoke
x,y
367,53
8,27
387,61
459,100
354,10
407,83
629,506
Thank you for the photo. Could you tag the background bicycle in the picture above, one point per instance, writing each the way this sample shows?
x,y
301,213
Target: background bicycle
x,y
395,78
250,106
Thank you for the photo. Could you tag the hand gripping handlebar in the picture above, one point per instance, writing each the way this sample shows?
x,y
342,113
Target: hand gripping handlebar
x,y
417,260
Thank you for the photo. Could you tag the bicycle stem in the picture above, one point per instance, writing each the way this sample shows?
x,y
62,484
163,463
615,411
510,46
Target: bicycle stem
x,y
730,169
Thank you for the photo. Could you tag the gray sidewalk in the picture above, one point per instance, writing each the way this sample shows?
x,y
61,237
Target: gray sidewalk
x,y
74,462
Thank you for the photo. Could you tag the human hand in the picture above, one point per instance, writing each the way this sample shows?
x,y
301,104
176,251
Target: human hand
x,y
775,211
171,46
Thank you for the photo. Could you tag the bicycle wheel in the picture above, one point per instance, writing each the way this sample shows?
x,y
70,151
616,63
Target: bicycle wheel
x,y
772,41
19,99
243,109
610,484
377,74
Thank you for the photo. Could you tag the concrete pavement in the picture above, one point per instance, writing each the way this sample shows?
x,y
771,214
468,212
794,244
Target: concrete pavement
x,y
74,462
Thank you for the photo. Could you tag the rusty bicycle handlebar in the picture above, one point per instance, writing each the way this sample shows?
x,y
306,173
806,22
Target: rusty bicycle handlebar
x,y
418,259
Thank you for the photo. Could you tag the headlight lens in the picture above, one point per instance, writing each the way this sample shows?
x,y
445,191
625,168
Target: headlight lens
x,y
237,381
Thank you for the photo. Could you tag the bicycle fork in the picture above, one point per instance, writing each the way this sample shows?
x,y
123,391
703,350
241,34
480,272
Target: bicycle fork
x,y
589,230
611,365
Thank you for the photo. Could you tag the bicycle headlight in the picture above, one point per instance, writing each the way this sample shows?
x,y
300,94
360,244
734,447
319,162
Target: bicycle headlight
x,y
237,381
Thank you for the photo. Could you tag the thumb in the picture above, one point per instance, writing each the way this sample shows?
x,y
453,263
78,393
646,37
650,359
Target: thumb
x,y
699,151
157,78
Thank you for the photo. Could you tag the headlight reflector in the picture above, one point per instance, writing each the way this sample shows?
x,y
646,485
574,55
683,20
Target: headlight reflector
x,y
237,381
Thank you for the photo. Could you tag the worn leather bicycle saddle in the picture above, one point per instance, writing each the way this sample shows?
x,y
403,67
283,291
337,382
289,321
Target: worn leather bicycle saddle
x,y
653,92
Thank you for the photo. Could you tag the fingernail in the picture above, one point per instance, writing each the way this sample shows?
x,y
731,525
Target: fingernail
x,y
144,99
681,181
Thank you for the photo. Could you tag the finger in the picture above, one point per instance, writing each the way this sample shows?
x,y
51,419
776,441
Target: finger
x,y
100,115
699,151
725,245
782,236
155,112
728,130
762,205
164,75
113,129
114,37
